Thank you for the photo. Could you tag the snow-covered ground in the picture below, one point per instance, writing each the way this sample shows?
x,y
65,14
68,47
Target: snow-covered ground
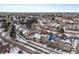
x,y
15,50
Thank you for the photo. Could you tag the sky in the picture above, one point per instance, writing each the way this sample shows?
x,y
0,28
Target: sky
x,y
39,7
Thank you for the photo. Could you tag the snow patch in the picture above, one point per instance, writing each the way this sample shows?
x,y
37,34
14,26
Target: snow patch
x,y
37,36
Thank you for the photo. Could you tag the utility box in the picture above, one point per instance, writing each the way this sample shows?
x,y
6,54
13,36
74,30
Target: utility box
x,y
44,39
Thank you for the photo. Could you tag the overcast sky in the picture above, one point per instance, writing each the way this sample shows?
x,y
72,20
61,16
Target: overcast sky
x,y
39,8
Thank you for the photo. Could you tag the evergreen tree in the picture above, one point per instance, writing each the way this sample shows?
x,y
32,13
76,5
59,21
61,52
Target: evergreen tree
x,y
13,32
